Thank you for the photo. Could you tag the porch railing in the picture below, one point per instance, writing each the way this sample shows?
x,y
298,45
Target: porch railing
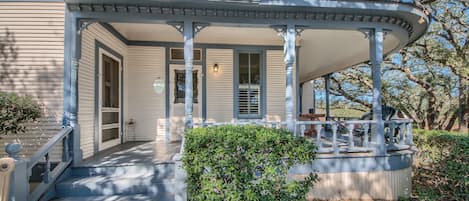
x,y
342,137
353,136
24,168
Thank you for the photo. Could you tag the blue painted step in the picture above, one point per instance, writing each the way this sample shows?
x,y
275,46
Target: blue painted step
x,y
147,181
110,198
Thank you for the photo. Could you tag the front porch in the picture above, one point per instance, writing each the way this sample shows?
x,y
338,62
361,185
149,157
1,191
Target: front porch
x,y
149,70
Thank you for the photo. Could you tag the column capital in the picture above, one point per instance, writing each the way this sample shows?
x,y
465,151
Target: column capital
x,y
282,29
368,32
197,26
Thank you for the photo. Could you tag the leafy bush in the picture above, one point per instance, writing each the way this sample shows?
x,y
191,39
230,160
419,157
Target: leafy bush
x,y
15,110
245,163
441,166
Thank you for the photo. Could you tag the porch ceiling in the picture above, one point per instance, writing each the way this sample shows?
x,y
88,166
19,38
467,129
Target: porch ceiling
x,y
321,51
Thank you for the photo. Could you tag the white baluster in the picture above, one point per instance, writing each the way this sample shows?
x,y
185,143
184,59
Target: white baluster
x,y
366,140
335,146
302,130
402,134
391,130
351,144
409,134
318,136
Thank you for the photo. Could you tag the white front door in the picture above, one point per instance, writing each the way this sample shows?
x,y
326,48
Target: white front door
x,y
177,102
109,101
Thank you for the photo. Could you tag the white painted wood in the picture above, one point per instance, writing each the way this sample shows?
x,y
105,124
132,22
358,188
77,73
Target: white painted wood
x,y
276,84
86,81
220,85
105,145
35,67
145,106
177,114
307,96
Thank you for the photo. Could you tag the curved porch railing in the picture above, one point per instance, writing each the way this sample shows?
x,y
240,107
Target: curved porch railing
x,y
342,137
354,136
24,168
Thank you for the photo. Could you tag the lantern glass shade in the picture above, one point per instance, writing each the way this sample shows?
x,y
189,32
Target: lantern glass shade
x,y
215,68
158,86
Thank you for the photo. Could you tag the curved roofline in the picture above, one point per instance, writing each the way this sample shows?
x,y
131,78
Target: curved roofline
x,y
401,18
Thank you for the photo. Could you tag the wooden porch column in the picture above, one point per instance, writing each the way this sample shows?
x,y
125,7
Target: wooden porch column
x,y
376,59
327,83
289,58
188,61
74,36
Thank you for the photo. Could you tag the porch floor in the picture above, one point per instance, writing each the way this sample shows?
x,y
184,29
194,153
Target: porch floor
x,y
132,153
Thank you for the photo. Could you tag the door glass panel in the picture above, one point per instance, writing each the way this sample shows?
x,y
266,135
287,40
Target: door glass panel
x,y
180,86
110,117
110,86
110,134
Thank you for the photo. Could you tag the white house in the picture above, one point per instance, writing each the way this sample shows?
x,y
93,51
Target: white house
x,y
117,72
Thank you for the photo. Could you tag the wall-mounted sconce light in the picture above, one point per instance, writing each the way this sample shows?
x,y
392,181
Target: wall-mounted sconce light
x,y
158,85
215,68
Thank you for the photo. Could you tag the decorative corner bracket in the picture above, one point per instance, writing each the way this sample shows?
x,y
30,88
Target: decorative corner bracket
x,y
282,29
367,32
198,26
179,26
83,26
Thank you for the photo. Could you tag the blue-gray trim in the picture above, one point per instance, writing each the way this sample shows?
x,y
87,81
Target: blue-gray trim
x,y
344,13
114,32
167,96
204,84
297,82
396,161
67,66
263,56
99,45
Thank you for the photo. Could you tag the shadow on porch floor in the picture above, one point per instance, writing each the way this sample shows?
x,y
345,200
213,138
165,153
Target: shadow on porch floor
x,y
131,153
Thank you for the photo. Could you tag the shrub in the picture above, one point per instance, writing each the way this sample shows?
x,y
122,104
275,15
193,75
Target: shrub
x,y
441,166
15,110
245,163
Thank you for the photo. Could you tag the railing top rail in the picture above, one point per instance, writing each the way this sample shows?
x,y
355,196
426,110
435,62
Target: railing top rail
x,y
46,148
335,122
399,121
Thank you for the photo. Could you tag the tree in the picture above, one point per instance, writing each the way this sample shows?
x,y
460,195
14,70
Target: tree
x,y
429,80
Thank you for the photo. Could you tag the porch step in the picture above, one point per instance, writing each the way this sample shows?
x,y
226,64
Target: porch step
x,y
138,197
160,171
128,182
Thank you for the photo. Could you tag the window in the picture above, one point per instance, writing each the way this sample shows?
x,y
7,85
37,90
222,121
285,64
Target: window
x,y
178,54
249,87
180,85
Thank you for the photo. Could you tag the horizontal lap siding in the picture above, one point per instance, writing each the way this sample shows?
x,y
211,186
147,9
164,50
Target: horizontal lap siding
x,y
33,64
145,106
220,85
86,81
276,85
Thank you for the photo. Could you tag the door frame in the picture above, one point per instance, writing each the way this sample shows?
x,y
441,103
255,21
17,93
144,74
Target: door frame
x,y
200,99
100,49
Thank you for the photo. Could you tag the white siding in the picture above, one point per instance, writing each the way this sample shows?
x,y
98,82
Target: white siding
x,y
220,85
145,64
308,96
32,64
276,83
86,81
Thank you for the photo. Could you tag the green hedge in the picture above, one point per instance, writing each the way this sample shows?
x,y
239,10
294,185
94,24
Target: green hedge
x,y
15,110
245,163
441,166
